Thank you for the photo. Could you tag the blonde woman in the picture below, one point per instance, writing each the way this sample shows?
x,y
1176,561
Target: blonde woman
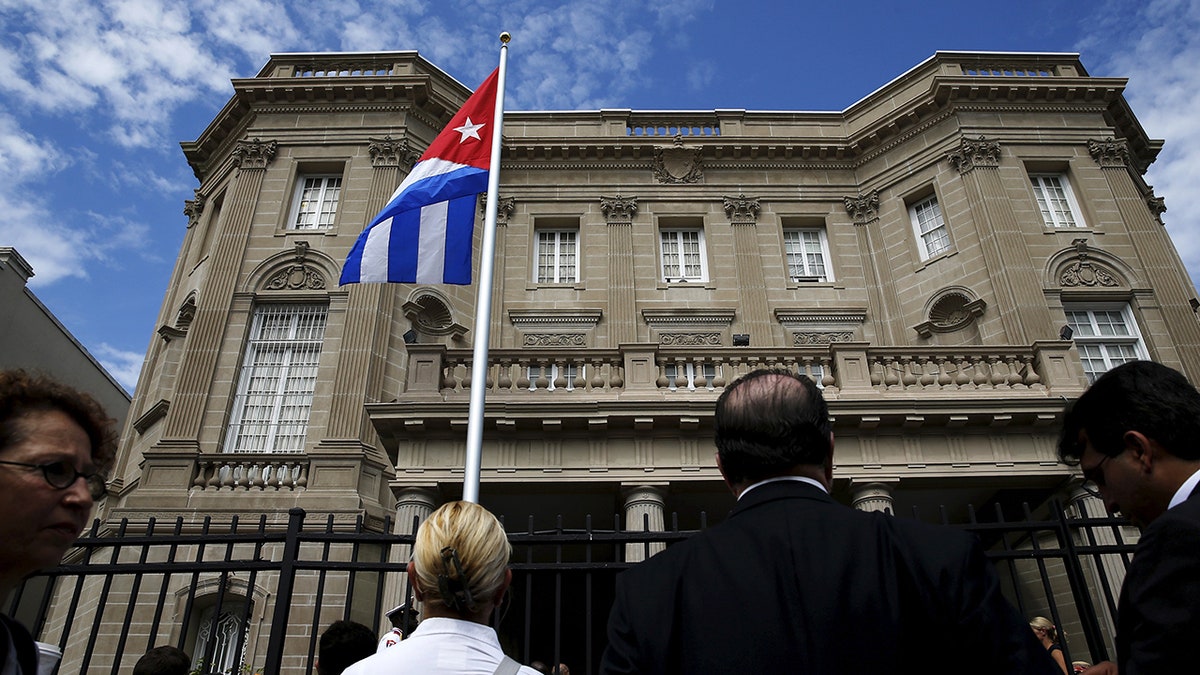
x,y
1048,634
459,571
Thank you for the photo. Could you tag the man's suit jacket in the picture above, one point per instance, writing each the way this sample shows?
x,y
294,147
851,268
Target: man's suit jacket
x,y
1158,616
793,581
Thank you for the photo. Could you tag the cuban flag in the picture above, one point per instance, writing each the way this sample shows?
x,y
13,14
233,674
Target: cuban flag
x,y
424,234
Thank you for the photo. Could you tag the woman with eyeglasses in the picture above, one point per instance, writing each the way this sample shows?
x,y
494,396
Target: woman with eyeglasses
x,y
55,444
459,572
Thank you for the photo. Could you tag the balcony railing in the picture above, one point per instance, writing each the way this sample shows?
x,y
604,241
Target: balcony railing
x,y
841,369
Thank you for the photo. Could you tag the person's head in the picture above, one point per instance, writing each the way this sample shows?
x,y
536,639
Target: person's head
x,y
770,423
1133,433
342,645
404,619
56,443
165,660
1043,628
460,562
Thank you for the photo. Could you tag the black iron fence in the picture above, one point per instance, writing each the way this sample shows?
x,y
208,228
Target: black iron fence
x,y
254,598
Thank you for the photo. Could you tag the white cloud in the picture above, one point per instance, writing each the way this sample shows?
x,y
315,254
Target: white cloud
x,y
124,366
1158,49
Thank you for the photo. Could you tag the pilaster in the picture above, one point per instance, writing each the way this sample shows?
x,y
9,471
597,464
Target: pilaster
x,y
208,328
1019,298
752,287
884,309
622,306
1159,260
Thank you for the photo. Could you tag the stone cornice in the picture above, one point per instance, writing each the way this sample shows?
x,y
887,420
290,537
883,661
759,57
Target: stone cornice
x,y
792,316
688,317
583,317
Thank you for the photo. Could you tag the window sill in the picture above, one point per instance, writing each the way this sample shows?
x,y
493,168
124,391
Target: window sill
x,y
935,258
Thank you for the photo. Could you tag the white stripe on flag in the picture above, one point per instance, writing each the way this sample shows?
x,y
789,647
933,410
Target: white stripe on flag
x,y
374,265
431,256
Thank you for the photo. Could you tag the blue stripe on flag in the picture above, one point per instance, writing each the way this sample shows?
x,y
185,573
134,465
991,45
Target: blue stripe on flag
x,y
460,234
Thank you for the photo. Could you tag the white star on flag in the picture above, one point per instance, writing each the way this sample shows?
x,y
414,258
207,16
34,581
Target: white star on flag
x,y
469,130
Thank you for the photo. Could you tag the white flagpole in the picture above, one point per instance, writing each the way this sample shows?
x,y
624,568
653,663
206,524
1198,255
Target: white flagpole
x,y
483,298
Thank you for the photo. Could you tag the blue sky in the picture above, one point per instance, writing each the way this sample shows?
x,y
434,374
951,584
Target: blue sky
x,y
97,96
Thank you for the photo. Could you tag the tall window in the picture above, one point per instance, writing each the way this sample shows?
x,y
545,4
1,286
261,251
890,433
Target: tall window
x,y
1056,201
1106,337
683,255
697,375
221,636
277,380
557,261
807,252
316,202
930,227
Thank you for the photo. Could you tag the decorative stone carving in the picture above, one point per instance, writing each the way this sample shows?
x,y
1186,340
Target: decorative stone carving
x,y
255,154
430,315
690,339
741,211
953,311
619,209
1083,272
975,153
389,152
802,338
1157,206
504,208
863,209
193,208
554,340
187,312
678,164
299,276
1109,152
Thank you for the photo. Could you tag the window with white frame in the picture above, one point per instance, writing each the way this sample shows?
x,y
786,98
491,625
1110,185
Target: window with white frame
x,y
557,257
277,379
316,202
570,372
815,372
697,375
1105,336
1055,200
683,256
930,226
807,252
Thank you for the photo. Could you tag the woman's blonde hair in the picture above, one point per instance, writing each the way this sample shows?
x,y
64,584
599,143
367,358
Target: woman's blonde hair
x,y
460,557
1040,622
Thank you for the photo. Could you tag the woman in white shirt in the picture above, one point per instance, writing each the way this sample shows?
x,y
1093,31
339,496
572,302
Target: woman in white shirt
x,y
459,572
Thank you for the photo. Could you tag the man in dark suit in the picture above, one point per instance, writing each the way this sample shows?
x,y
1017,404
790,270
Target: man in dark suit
x,y
1135,433
794,582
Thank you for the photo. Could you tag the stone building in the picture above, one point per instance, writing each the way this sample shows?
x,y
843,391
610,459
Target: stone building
x,y
952,257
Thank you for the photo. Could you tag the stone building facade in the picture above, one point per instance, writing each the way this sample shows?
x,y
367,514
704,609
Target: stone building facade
x,y
952,257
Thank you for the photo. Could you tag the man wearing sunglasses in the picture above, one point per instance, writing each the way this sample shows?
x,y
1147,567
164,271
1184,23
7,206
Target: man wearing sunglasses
x,y
1135,434
55,444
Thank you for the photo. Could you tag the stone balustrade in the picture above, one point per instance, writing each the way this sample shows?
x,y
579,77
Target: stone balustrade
x,y
846,369
251,472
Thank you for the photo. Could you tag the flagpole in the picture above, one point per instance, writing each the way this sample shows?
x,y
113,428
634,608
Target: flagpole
x,y
483,298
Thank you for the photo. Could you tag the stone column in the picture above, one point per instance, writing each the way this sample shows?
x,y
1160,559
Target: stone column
x,y
411,503
877,268
1019,299
873,497
504,210
622,304
644,512
752,286
1084,504
182,424
1159,260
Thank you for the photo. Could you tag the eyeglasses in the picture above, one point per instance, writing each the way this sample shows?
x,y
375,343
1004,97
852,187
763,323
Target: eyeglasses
x,y
62,475
1093,477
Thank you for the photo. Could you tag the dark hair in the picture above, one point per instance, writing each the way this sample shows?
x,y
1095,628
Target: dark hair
x,y
1141,396
344,644
769,422
22,393
165,660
